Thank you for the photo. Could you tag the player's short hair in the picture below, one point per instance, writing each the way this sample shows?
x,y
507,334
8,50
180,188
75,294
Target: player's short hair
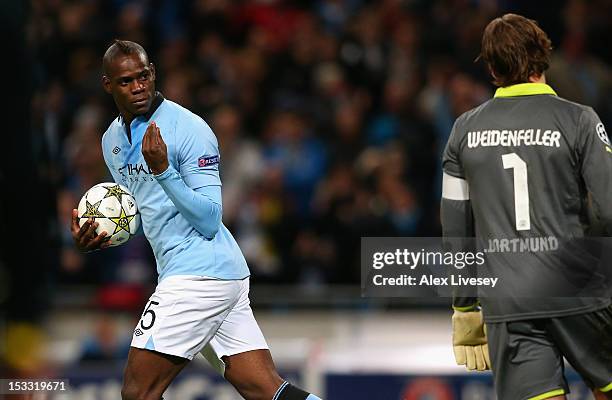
x,y
121,47
515,48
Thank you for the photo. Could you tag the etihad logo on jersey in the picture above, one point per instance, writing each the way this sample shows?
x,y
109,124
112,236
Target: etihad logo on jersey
x,y
135,169
136,173
517,137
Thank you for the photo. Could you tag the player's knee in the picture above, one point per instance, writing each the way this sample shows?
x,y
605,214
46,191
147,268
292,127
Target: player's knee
x,y
128,392
258,389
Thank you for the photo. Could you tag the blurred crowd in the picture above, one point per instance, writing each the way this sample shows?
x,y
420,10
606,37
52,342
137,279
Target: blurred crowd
x,y
331,115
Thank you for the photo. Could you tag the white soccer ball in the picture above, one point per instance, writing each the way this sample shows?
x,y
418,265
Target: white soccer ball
x,y
114,208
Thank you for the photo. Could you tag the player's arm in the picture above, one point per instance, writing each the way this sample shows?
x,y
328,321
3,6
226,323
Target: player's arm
x,y
456,209
469,337
84,237
458,228
595,152
201,207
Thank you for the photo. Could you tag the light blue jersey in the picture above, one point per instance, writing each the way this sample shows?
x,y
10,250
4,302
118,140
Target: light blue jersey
x,y
181,247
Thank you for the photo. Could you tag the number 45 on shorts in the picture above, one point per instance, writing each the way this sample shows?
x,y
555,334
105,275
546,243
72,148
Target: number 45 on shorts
x,y
147,319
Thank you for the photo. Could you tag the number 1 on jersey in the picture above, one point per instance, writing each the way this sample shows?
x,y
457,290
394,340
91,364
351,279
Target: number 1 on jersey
x,y
521,190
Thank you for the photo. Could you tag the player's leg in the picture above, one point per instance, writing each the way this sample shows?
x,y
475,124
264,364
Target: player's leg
x,y
240,353
599,395
148,374
586,342
526,364
181,316
254,375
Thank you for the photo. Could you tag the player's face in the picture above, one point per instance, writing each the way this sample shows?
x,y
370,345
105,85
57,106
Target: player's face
x,y
131,82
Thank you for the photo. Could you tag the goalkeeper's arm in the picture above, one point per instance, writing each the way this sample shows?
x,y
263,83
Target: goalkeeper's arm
x,y
457,227
469,337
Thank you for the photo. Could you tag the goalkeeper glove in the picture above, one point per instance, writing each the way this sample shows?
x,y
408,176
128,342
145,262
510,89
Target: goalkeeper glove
x,y
470,340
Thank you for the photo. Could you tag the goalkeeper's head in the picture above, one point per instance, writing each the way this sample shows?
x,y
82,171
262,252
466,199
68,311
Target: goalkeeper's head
x,y
515,50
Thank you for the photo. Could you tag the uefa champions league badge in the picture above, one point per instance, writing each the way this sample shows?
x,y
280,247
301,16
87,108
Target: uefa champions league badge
x,y
601,132
208,161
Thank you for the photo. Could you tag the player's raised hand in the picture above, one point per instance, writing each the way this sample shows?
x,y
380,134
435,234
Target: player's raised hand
x,y
85,238
154,149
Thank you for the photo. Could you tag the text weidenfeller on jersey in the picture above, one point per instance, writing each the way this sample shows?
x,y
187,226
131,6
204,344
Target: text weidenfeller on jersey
x,y
520,137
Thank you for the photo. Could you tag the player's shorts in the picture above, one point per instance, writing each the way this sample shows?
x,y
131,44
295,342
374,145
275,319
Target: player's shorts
x,y
527,356
191,314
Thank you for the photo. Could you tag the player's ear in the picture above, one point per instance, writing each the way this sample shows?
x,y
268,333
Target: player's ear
x,y
106,84
492,73
152,68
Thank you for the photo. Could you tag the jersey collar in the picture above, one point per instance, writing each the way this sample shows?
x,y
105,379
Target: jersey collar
x,y
524,89
157,100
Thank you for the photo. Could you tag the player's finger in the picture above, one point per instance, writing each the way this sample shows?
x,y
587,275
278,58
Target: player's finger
x,y
96,241
459,354
75,221
157,136
151,132
479,358
89,234
84,227
145,139
487,357
470,358
152,139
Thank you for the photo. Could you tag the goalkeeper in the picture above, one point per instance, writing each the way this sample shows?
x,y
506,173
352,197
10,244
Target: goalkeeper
x,y
521,166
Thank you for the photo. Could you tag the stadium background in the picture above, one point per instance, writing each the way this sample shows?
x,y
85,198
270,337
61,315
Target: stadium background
x,y
331,117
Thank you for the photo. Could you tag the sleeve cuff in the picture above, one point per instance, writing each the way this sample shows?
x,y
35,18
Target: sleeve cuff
x,y
473,307
166,174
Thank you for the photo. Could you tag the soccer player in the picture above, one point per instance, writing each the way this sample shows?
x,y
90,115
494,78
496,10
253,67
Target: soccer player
x,y
169,158
522,165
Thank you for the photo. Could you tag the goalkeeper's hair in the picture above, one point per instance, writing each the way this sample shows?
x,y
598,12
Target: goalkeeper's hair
x,y
122,47
515,48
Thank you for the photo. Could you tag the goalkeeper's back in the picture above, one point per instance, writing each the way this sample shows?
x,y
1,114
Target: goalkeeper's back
x,y
530,158
518,173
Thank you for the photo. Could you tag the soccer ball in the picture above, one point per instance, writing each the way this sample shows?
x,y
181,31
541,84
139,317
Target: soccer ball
x,y
114,208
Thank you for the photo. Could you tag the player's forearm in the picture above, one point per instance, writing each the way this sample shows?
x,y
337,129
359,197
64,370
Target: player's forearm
x,y
456,218
201,209
457,222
